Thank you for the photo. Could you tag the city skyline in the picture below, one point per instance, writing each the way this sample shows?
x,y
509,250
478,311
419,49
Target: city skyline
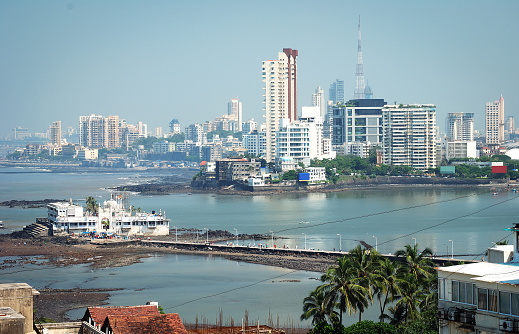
x,y
154,62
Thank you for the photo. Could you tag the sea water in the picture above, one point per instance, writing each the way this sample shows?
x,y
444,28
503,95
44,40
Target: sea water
x,y
438,218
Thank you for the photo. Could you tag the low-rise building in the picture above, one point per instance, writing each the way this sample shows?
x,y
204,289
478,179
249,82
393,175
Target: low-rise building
x,y
87,154
111,217
315,174
163,147
236,169
481,297
460,150
96,316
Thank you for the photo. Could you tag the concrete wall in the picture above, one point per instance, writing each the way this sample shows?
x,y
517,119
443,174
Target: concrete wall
x,y
19,297
11,321
61,328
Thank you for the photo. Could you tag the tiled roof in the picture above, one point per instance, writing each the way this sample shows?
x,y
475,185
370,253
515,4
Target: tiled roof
x,y
159,324
99,314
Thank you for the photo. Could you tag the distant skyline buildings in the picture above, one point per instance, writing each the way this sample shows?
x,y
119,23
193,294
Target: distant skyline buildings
x,y
234,110
96,131
336,91
92,131
55,133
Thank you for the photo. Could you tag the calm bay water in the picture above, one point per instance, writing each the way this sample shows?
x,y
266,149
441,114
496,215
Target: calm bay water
x,y
428,214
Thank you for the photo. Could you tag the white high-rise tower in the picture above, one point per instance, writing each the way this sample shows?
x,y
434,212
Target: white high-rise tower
x,y
495,122
318,101
280,95
234,109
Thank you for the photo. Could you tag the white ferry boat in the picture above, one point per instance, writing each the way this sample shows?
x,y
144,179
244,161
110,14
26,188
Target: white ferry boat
x,y
111,217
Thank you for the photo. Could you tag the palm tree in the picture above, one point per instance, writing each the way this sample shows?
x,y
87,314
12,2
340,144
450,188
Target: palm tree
x,y
364,266
396,315
417,263
430,299
412,295
91,205
342,284
317,307
387,284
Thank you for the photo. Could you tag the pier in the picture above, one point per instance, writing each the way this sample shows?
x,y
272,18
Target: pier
x,y
310,253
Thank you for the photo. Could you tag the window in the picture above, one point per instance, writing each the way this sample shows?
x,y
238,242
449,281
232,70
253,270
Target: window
x,y
470,294
360,122
492,300
462,295
482,299
441,288
455,291
504,302
515,304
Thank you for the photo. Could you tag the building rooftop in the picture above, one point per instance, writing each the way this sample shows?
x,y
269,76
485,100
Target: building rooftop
x,y
157,324
99,314
505,273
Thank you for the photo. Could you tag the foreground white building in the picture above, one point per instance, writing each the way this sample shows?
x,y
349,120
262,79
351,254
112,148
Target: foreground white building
x,y
112,217
481,298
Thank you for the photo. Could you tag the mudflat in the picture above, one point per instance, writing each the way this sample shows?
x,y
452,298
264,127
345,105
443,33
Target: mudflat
x,y
65,251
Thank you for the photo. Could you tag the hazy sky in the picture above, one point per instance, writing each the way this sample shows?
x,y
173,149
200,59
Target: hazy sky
x,y
152,61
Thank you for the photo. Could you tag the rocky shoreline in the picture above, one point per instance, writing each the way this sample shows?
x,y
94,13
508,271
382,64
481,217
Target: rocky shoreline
x,y
30,204
165,186
65,251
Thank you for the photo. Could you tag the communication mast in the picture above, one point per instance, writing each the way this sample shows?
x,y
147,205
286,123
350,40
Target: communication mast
x,y
359,75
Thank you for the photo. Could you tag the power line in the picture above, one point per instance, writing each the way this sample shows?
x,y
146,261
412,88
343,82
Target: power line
x,y
449,220
376,213
231,290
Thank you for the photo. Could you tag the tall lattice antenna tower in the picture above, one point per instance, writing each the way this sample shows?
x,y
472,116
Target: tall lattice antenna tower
x,y
359,75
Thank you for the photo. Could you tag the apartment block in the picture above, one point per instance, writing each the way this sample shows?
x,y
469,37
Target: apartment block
x,y
495,122
357,121
280,94
460,126
409,137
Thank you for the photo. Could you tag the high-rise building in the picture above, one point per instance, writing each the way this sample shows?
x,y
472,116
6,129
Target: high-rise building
x,y
92,131
301,140
249,126
255,142
55,133
495,122
510,124
195,133
158,132
409,135
113,133
174,126
234,110
336,92
318,101
280,94
357,121
143,129
460,126
20,133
